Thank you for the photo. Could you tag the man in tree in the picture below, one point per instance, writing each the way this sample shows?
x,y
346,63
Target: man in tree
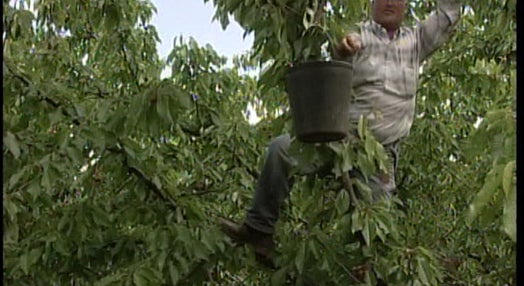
x,y
386,58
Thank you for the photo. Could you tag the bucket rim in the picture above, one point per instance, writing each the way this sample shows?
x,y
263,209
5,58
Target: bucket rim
x,y
319,63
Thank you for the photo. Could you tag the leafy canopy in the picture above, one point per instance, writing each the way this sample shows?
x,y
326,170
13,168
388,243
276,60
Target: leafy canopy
x,y
113,175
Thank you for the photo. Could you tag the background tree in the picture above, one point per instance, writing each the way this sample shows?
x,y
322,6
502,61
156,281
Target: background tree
x,y
113,176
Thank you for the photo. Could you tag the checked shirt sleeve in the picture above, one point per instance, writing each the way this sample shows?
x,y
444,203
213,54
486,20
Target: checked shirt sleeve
x,y
438,27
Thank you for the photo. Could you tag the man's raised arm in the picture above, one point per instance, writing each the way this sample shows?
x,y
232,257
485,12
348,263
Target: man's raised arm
x,y
438,27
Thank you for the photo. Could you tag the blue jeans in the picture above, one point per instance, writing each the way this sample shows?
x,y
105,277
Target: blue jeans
x,y
274,184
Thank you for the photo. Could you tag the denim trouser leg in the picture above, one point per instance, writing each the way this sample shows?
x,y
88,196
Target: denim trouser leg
x,y
273,186
275,183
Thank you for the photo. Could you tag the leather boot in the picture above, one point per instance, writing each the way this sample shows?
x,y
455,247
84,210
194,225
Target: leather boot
x,y
244,234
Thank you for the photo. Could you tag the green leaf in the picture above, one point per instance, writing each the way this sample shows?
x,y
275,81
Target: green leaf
x,y
161,259
421,271
100,216
507,177
184,264
510,214
112,16
342,202
492,182
136,111
365,231
34,189
157,182
13,180
12,144
34,255
109,280
365,165
364,189
183,98
163,107
356,221
75,154
325,264
116,121
279,277
154,122
347,162
313,248
62,247
139,279
145,276
163,240
12,232
216,118
199,250
173,273
308,18
361,127
369,146
183,235
24,263
46,179
383,223
299,259
96,136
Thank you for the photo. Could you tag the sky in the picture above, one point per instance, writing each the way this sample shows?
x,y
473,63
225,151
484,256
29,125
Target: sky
x,y
193,18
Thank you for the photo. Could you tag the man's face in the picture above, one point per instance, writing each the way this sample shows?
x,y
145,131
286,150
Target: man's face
x,y
389,13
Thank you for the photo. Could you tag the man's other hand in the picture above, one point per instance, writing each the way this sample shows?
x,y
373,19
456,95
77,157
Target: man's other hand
x,y
349,45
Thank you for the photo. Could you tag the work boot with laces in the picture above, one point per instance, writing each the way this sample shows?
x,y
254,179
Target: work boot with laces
x,y
244,234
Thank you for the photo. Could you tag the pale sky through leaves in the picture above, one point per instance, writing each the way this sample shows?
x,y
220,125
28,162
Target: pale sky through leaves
x,y
193,18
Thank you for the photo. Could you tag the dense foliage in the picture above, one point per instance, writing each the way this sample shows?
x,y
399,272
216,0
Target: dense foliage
x,y
114,176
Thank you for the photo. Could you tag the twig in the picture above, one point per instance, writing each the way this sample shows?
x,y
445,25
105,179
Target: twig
x,y
350,274
121,187
319,16
199,193
348,185
158,191
137,172
126,59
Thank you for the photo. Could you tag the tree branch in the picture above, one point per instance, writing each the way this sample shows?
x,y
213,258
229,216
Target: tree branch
x,y
137,172
44,98
348,185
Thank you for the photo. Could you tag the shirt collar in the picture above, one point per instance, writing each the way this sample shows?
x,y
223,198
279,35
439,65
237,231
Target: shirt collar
x,y
381,31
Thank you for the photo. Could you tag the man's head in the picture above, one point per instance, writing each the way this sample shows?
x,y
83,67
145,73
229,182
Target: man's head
x,y
389,13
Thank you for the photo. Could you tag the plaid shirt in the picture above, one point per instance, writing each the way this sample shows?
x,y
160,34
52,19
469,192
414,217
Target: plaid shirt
x,y
386,71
